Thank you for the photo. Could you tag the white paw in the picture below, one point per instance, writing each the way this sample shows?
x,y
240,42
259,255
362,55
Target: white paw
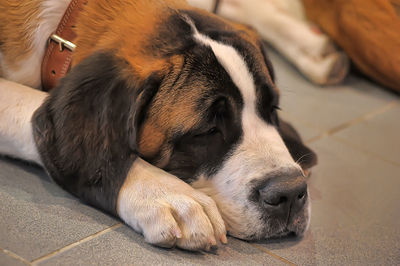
x,y
168,211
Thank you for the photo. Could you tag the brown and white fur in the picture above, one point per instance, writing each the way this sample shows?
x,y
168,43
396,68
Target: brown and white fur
x,y
167,120
283,24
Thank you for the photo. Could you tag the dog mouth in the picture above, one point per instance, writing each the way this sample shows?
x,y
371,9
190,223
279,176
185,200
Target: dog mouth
x,y
275,228
285,233
295,227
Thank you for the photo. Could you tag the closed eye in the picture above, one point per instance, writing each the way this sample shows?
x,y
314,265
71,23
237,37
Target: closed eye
x,y
209,132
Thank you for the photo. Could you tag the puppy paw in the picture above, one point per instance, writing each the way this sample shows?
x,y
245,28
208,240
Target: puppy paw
x,y
169,212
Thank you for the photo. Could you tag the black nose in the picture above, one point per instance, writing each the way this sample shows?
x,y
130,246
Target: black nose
x,y
284,193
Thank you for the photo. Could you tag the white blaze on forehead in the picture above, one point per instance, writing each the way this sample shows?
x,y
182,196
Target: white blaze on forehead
x,y
260,151
255,130
260,139
233,63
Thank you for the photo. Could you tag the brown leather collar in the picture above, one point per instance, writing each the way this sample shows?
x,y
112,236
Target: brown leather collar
x,y
58,56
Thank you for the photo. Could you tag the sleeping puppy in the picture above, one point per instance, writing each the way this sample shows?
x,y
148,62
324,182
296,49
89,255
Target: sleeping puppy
x,y
168,120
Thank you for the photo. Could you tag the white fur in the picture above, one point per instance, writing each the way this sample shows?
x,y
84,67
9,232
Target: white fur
x,y
167,210
17,105
261,150
27,71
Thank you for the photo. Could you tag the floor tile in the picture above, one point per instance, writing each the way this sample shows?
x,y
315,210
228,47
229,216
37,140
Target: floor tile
x,y
325,107
304,128
378,135
6,260
355,211
125,247
37,216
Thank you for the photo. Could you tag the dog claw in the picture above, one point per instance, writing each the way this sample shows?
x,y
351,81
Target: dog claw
x,y
211,248
223,239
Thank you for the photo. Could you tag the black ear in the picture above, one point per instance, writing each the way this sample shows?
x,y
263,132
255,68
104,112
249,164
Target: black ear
x,y
300,153
85,131
267,62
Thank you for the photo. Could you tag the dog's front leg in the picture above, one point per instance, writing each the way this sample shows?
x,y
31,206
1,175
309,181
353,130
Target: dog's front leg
x,y
17,105
168,211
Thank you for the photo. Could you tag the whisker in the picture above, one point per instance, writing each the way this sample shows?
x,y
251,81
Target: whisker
x,y
299,160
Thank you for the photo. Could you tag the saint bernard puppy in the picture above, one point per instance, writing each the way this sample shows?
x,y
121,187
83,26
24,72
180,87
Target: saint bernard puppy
x,y
167,119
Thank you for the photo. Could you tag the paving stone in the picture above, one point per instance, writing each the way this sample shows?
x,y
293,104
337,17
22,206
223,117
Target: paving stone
x,y
379,135
37,216
355,211
125,247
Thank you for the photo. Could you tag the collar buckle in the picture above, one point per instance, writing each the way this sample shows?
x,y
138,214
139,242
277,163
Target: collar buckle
x,y
62,43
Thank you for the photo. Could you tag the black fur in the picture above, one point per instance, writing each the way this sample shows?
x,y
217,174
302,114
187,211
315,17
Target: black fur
x,y
86,129
300,152
268,62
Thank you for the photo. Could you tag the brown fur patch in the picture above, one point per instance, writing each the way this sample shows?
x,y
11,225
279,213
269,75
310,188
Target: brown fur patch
x,y
125,27
18,22
171,110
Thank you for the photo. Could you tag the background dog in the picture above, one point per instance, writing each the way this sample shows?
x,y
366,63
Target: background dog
x,y
168,119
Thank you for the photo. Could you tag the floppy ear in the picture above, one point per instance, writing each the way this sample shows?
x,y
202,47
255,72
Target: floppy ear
x,y
268,62
300,153
85,131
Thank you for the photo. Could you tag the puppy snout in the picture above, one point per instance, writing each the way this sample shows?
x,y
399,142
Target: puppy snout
x,y
284,192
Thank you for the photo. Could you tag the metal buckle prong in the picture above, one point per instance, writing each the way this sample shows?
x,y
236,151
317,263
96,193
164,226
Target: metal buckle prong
x,y
63,43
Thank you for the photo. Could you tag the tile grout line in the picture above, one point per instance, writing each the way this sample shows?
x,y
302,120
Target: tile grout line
x,y
272,254
67,247
356,120
15,256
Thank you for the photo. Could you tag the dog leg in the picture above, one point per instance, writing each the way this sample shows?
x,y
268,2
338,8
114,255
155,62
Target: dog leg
x,y
17,105
312,53
167,210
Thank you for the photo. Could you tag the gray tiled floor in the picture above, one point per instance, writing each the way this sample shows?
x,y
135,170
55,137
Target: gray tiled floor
x,y
355,191
362,134
123,246
37,217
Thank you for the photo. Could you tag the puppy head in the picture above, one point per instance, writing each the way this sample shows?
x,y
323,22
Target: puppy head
x,y
214,124
198,100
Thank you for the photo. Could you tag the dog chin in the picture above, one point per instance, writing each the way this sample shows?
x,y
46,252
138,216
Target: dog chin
x,y
274,229
283,233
